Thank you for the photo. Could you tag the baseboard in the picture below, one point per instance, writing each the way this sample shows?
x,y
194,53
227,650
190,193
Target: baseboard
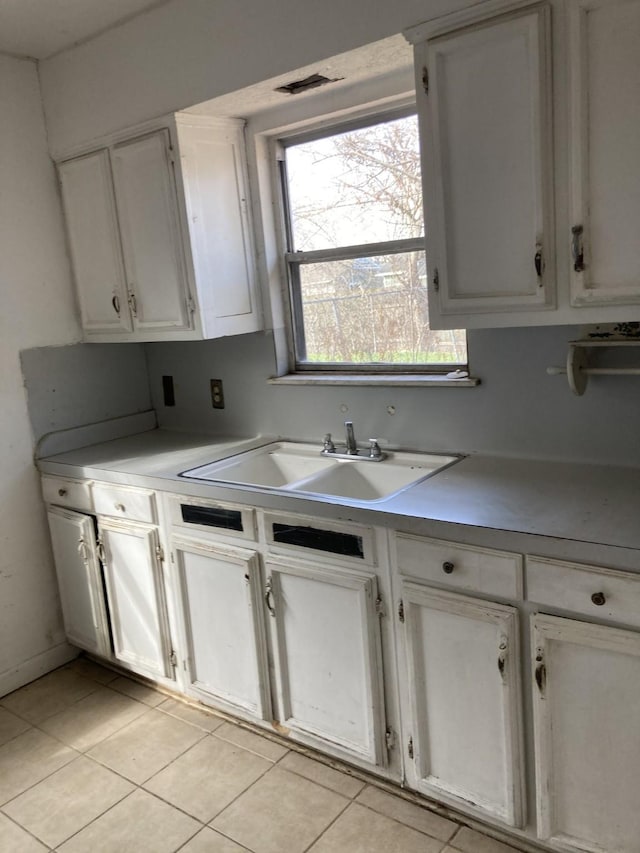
x,y
36,666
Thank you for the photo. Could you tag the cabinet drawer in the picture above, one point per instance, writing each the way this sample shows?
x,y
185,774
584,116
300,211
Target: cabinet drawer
x,y
589,590
460,566
207,516
70,493
123,502
324,539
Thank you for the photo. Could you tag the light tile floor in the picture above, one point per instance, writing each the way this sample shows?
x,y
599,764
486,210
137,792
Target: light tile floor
x,y
92,762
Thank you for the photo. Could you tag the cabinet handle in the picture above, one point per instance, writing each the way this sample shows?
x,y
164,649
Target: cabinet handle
x,y
448,567
133,303
540,671
119,507
598,598
62,492
268,596
577,248
116,304
82,549
538,261
502,657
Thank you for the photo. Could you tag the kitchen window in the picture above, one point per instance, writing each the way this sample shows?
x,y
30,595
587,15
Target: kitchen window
x,y
357,270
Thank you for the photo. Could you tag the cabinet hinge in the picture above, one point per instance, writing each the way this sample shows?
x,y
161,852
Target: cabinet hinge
x,y
425,79
410,748
173,559
171,155
389,738
160,553
436,280
173,658
191,305
380,606
401,611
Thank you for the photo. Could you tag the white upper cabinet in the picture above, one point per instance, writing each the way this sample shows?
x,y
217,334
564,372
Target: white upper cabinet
x,y
147,211
486,131
160,234
530,134
605,150
94,243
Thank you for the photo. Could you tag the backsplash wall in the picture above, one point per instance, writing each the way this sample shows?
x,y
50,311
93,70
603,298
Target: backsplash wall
x,y
517,410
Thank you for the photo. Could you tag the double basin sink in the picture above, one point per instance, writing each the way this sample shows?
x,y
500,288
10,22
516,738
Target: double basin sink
x,y
301,468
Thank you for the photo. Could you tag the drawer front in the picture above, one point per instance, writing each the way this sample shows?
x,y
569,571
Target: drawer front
x,y
460,566
69,493
588,590
351,544
212,517
124,502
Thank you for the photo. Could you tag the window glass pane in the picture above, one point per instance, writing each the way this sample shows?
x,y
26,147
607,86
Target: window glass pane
x,y
373,311
358,187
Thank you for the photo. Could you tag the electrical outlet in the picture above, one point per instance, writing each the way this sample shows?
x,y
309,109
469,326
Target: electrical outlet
x,y
217,394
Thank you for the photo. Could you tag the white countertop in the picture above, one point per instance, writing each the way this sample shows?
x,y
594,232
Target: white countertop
x,y
582,503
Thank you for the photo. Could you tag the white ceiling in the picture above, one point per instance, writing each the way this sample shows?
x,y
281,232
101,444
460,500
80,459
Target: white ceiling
x,y
40,28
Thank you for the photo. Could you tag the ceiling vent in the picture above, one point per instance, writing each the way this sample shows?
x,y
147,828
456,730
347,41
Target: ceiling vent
x,y
311,82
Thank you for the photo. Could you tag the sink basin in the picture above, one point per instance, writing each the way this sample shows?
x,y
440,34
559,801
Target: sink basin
x,y
274,465
299,467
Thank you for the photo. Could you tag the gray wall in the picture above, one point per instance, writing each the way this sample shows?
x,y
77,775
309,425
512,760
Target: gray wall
x,y
82,384
517,410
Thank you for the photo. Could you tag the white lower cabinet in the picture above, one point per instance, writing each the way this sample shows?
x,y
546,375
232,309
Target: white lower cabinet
x,y
79,579
587,737
286,620
462,701
326,639
226,652
135,594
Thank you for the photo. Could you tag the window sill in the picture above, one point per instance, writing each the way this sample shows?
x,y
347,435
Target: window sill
x,y
398,380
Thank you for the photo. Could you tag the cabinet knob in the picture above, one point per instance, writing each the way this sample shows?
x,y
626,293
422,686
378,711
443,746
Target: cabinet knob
x,y
62,492
598,598
447,567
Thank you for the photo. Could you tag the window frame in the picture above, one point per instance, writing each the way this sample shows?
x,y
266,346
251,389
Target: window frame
x,y
294,260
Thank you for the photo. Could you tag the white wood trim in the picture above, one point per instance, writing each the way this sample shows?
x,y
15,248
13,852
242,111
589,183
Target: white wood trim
x,y
475,14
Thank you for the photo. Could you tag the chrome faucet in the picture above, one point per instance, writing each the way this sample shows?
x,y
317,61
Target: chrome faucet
x,y
352,447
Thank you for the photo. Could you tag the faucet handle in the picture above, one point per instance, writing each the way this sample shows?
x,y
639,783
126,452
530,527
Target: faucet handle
x,y
374,449
328,445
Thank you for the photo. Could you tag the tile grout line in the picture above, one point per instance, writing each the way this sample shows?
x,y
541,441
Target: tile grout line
x,y
329,825
24,829
409,826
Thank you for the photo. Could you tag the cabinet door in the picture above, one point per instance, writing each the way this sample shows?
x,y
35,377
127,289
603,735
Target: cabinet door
x,y
587,737
213,167
462,704
94,243
151,237
224,624
485,127
135,594
79,580
328,658
605,149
